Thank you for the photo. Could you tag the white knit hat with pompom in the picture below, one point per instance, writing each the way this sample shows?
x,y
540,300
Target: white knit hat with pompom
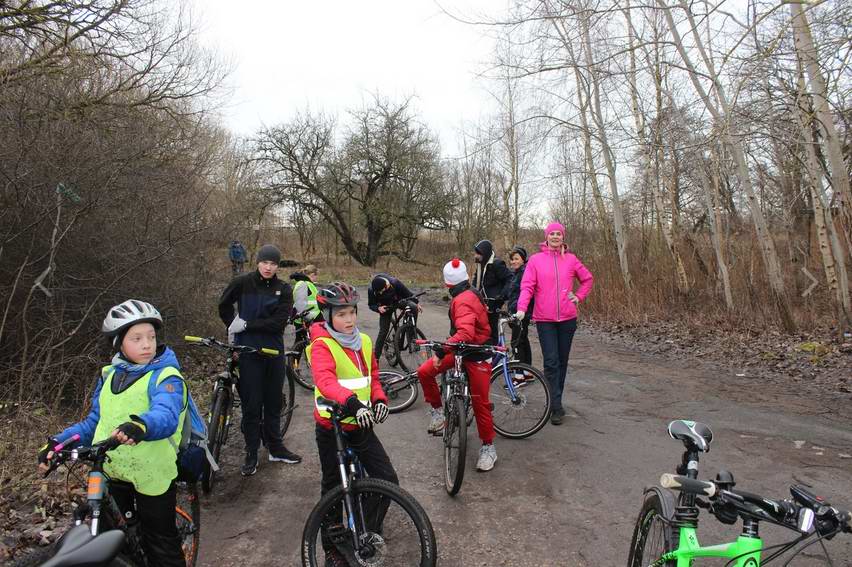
x,y
455,272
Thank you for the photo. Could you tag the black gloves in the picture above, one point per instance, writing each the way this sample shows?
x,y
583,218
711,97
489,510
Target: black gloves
x,y
48,447
438,351
135,431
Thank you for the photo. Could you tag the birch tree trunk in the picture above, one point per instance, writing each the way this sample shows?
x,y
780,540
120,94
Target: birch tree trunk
x,y
733,139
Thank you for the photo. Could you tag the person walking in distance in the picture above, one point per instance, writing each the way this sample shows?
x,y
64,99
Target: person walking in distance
x,y
493,280
263,304
237,255
549,280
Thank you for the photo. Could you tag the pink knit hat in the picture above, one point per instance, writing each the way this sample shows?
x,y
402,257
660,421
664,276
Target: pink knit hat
x,y
553,227
455,272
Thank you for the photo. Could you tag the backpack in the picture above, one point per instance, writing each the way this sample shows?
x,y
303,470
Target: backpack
x,y
192,450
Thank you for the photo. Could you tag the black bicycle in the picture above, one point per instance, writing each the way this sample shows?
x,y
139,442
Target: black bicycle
x,y
103,534
370,522
295,357
401,348
458,412
401,389
225,398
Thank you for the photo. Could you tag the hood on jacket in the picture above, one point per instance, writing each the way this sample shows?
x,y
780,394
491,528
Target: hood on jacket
x,y
299,277
543,247
164,357
486,250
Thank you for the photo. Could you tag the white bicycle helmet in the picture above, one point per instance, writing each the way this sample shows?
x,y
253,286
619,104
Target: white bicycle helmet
x,y
125,315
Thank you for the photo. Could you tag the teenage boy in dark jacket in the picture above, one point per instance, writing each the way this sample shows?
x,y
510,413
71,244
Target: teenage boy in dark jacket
x,y
383,293
264,304
493,280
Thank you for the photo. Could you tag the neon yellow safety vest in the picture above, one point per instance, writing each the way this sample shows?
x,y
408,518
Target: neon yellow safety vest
x,y
150,465
348,375
311,301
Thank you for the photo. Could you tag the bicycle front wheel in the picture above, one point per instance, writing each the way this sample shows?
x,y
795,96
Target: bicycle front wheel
x,y
411,355
188,519
393,528
288,399
653,535
520,414
216,432
455,444
401,390
301,370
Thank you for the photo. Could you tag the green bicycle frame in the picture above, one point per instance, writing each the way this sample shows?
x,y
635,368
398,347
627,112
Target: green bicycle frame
x,y
745,549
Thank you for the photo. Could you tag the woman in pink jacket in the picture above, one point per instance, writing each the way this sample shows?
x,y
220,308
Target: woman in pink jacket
x,y
549,279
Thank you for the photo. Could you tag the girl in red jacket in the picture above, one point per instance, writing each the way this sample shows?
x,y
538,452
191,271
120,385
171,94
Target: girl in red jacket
x,y
468,324
345,370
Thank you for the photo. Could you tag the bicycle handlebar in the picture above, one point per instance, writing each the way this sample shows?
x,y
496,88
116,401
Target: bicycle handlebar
x,y
460,346
92,453
213,343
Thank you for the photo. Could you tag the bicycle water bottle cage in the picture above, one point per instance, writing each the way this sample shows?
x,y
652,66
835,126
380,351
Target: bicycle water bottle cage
x,y
694,435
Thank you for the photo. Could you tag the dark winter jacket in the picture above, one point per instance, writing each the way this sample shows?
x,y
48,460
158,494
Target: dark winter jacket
x,y
237,253
265,305
515,293
388,297
492,278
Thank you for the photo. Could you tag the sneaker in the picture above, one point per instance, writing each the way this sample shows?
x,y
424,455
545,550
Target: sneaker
x,y
487,458
250,465
556,418
436,423
282,455
334,558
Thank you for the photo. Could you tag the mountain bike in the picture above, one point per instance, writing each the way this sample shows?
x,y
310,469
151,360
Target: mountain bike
x,y
102,533
295,357
458,414
401,348
520,396
401,389
666,532
370,522
224,399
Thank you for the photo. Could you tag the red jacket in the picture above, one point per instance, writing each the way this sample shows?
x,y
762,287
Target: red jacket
x,y
469,319
325,374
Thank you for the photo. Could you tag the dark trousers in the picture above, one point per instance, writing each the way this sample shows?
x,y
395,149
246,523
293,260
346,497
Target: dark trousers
x,y
521,341
385,320
555,340
156,514
494,322
375,461
260,386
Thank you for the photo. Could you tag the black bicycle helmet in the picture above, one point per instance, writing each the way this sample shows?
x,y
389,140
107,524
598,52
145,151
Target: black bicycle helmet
x,y
336,294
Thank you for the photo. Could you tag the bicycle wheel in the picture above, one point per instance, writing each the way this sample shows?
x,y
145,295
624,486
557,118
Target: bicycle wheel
x,y
529,410
455,444
395,529
400,389
653,535
301,370
391,352
216,432
188,520
411,355
288,399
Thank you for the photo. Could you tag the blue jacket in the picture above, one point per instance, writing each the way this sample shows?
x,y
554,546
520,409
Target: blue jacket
x,y
161,420
237,252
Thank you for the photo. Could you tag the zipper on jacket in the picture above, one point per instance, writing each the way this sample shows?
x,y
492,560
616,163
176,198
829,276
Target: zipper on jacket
x,y
556,269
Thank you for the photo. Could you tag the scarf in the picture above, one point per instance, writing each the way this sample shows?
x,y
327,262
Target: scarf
x,y
352,341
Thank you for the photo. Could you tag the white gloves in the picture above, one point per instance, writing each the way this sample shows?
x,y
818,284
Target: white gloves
x,y
381,412
365,418
238,325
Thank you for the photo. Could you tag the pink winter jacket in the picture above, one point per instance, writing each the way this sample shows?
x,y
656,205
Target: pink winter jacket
x,y
548,278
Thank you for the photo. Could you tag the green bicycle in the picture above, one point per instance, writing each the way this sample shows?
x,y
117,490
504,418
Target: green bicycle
x,y
666,529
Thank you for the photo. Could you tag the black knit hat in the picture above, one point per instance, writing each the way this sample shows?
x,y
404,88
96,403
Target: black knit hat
x,y
269,253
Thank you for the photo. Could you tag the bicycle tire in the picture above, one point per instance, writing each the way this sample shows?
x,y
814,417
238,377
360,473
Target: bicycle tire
x,y
188,520
400,392
391,529
391,353
301,370
653,534
410,356
216,431
455,444
33,558
529,411
288,400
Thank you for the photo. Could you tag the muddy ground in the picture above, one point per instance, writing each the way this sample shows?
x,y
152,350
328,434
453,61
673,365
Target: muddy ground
x,y
569,495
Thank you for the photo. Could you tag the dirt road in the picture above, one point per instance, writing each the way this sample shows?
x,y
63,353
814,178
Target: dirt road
x,y
569,495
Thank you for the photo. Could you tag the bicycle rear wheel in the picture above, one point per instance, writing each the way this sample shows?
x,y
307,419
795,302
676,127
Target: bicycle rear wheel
x,y
410,354
521,415
216,433
395,529
653,535
301,370
188,519
391,352
400,389
455,444
288,399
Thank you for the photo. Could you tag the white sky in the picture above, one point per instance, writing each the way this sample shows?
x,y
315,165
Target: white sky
x,y
331,55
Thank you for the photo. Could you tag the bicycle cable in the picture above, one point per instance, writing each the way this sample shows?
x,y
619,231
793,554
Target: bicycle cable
x,y
783,548
819,540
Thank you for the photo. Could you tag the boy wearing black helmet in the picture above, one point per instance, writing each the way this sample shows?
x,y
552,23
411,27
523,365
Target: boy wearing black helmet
x,y
263,304
139,400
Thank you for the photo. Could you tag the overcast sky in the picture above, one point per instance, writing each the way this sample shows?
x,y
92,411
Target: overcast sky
x,y
331,55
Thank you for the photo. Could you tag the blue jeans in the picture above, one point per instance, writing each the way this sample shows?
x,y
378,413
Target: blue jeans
x,y
555,340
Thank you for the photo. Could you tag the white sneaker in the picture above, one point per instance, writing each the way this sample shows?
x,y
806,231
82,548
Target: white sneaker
x,y
487,458
436,423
